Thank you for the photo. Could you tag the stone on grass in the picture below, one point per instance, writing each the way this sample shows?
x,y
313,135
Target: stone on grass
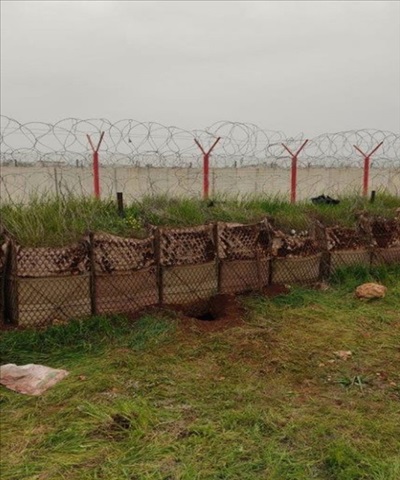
x,y
371,290
30,379
343,354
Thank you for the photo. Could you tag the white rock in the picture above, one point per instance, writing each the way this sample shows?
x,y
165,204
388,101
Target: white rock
x,y
370,290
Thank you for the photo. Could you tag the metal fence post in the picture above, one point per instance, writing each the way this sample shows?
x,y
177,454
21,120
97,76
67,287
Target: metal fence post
x,y
365,223
4,282
120,204
293,179
160,277
367,159
11,297
258,259
96,173
206,166
217,258
93,289
325,261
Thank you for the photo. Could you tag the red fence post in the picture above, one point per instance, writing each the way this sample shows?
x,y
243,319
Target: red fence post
x,y
206,166
367,158
206,176
96,174
293,179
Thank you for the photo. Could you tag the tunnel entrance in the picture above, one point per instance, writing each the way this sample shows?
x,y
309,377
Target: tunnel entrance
x,y
206,316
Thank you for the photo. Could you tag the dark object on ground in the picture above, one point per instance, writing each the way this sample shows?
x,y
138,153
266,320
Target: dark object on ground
x,y
213,203
324,200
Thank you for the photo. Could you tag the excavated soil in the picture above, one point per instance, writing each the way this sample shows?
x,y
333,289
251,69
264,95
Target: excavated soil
x,y
220,312
217,313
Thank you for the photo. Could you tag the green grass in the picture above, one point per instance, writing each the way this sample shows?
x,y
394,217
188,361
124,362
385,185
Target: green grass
x,y
162,398
52,222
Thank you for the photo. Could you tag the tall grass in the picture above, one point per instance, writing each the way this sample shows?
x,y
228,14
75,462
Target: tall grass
x,y
47,221
52,222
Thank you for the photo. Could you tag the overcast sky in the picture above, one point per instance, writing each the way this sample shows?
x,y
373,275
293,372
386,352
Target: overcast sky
x,y
309,67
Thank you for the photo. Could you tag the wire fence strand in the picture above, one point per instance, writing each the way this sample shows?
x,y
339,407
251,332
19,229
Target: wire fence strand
x,y
149,158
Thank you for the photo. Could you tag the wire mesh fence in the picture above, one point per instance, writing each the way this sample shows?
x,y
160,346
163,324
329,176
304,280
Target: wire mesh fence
x,y
386,234
151,159
107,274
47,285
244,257
187,264
124,273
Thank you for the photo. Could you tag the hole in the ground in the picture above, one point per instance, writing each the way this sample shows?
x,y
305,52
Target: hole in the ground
x,y
207,316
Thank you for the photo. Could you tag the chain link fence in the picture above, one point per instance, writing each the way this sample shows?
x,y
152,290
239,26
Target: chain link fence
x,y
187,267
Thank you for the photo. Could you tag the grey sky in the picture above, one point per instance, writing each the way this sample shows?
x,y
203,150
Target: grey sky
x,y
309,67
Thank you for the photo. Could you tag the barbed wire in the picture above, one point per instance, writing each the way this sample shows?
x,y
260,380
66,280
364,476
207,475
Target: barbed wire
x,y
146,158
129,142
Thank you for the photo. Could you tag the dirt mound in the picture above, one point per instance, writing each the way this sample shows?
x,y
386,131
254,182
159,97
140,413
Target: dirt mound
x,y
221,311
